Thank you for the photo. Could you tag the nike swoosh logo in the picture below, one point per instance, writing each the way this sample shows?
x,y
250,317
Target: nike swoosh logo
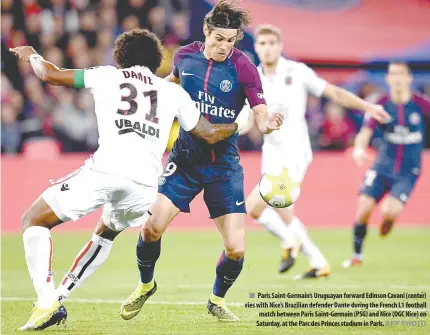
x,y
239,203
187,74
126,313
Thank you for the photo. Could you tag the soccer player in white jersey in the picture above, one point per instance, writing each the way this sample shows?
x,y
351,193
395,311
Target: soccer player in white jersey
x,y
286,85
135,110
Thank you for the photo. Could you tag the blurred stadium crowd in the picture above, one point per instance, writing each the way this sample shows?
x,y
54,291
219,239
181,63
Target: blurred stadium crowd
x,y
80,34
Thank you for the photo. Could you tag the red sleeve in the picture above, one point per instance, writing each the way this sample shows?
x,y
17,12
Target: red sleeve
x,y
423,101
250,79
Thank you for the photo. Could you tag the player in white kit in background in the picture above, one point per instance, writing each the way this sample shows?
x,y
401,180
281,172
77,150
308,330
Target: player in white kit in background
x,y
135,110
286,85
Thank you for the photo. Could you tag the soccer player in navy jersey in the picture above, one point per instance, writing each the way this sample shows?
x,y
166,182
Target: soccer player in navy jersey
x,y
398,164
218,78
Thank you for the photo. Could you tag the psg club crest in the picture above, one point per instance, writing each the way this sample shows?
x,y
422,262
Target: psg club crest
x,y
414,118
288,80
226,86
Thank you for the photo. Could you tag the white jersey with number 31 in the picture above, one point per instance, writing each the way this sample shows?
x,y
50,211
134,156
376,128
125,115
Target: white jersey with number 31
x,y
135,110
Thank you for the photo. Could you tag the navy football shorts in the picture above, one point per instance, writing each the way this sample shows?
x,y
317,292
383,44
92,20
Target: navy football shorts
x,y
377,183
222,185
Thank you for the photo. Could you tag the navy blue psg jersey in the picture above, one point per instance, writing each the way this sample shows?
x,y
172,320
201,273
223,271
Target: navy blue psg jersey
x,y
403,137
219,90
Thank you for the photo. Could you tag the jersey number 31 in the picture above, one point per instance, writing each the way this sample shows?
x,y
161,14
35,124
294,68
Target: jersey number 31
x,y
131,99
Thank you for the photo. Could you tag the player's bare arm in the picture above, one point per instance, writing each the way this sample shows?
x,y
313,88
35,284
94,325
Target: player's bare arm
x,y
213,133
43,69
350,100
265,123
361,143
173,79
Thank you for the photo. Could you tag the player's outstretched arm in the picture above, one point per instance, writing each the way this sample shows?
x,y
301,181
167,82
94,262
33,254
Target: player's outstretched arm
x,y
213,133
265,123
350,100
361,143
43,69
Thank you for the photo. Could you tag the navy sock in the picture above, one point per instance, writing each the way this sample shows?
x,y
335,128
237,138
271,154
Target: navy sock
x,y
147,254
360,231
227,271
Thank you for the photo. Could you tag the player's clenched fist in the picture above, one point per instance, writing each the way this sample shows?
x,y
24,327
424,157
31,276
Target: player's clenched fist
x,y
23,52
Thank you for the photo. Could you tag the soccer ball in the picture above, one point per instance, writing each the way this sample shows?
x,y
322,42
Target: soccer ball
x,y
279,190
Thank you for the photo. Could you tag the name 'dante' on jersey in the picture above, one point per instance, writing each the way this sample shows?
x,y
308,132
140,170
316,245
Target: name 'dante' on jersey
x,y
126,126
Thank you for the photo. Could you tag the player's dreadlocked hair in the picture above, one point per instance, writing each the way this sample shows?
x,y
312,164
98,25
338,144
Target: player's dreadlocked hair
x,y
138,47
228,14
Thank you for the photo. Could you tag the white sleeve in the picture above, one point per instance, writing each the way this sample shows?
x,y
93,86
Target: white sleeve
x,y
99,75
313,84
188,115
242,119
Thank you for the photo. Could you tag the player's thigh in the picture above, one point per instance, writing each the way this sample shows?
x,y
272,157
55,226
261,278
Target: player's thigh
x,y
403,187
255,204
274,160
40,214
233,230
225,196
179,185
158,218
79,194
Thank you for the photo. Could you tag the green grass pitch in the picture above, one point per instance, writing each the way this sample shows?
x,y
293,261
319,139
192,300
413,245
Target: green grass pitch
x,y
185,273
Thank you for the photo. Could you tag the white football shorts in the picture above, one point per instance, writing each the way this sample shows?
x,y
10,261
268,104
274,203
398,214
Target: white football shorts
x,y
84,190
274,159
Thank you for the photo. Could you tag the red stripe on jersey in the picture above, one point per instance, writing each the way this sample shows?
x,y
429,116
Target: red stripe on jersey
x,y
207,75
206,89
48,279
399,152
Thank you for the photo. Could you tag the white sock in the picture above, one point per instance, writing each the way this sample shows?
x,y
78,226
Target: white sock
x,y
89,259
310,250
273,223
38,255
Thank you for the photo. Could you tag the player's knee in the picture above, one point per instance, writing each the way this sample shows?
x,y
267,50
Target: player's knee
x,y
253,212
389,214
365,207
25,219
235,253
151,233
106,233
28,219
